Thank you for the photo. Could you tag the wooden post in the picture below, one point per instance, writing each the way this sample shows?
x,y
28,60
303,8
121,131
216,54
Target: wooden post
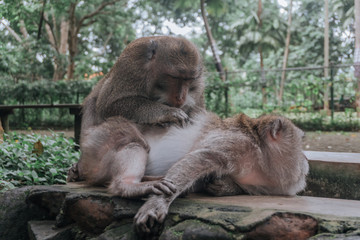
x,y
4,115
332,91
1,134
77,123
226,93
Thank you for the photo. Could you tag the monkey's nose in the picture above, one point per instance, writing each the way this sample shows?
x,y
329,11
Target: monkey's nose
x,y
178,101
178,104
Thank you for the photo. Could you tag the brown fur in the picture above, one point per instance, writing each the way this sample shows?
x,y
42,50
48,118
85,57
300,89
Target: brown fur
x,y
260,156
131,88
157,81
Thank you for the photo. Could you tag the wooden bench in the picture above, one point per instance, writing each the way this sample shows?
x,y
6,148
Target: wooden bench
x,y
75,109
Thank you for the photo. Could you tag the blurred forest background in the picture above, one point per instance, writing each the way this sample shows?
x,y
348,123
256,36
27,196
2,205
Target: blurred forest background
x,y
295,57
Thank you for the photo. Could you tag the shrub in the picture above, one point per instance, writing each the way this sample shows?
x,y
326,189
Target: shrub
x,y
35,159
43,92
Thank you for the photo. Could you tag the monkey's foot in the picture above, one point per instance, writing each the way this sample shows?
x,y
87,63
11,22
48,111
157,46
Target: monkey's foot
x,y
153,212
73,173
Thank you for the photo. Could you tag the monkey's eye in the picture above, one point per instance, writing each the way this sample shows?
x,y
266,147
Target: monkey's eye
x,y
193,88
160,87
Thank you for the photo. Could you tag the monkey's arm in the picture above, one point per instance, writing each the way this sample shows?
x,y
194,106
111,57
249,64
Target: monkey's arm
x,y
182,176
151,178
145,111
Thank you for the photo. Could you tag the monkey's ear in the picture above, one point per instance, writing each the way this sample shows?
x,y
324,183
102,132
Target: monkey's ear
x,y
152,50
275,129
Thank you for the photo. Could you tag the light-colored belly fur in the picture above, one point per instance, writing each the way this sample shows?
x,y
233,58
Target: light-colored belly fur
x,y
169,145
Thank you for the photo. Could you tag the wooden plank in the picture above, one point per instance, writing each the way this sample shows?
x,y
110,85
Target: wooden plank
x,y
75,109
9,107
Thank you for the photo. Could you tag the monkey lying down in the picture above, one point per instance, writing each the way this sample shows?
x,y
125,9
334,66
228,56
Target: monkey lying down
x,y
260,156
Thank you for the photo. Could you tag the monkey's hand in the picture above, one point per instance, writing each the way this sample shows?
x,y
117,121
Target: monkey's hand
x,y
223,186
164,186
153,212
173,116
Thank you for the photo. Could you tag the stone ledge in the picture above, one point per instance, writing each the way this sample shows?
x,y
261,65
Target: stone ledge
x,y
334,175
79,212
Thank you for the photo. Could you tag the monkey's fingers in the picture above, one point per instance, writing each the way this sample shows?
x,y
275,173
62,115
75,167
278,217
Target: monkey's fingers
x,y
170,184
161,217
183,119
156,191
142,220
213,189
166,186
73,173
179,117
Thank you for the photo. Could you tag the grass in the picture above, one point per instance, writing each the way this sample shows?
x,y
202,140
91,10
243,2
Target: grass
x,y
33,159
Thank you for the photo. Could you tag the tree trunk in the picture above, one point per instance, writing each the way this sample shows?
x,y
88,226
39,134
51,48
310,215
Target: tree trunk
x,y
23,30
12,32
64,36
50,34
72,41
357,55
74,29
262,72
58,59
59,70
326,58
41,20
217,60
59,65
286,54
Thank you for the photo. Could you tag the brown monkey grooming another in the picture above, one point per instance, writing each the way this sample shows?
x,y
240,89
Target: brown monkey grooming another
x,y
261,156
156,82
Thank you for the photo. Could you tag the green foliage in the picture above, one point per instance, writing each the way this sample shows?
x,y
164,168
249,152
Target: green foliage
x,y
34,57
215,95
235,26
316,121
43,92
19,165
313,121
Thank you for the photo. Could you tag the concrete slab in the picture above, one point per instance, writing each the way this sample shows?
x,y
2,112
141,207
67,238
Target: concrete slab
x,y
340,157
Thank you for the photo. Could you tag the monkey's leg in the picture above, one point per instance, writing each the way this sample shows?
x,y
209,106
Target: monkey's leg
x,y
182,175
223,186
128,168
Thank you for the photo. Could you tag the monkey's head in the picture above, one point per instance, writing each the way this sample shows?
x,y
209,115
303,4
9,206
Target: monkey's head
x,y
170,69
176,68
278,131
281,143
